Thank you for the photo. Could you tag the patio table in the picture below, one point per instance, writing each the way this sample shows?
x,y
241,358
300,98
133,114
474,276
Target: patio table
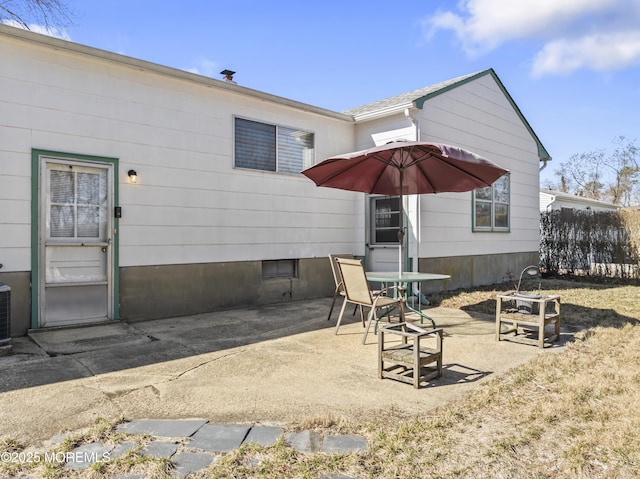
x,y
402,280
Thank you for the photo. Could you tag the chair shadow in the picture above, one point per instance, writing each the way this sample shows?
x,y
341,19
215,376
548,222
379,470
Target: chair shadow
x,y
455,373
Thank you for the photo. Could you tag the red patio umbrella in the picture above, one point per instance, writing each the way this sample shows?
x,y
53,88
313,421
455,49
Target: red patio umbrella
x,y
406,168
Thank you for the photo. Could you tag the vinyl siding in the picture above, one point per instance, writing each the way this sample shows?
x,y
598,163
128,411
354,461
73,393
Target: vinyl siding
x,y
190,204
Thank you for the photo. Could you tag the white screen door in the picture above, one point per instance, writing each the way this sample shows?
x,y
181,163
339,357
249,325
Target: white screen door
x,y
75,242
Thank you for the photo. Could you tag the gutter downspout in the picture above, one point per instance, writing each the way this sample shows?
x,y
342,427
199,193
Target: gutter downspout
x,y
416,127
421,298
544,163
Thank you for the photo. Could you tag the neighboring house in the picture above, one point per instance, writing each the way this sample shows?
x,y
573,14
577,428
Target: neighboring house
x,y
551,200
219,216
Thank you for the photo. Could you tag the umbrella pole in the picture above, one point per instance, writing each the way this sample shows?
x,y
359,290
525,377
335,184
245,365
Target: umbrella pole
x,y
401,226
400,238
401,286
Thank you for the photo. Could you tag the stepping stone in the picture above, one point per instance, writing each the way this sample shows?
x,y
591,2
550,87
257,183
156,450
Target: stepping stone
x,y
163,427
305,441
190,462
160,449
219,437
264,435
344,444
82,457
122,449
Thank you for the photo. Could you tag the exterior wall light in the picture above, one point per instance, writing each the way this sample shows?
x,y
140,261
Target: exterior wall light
x,y
133,176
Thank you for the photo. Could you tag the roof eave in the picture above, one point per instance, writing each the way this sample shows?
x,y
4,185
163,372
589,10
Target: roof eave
x,y
383,112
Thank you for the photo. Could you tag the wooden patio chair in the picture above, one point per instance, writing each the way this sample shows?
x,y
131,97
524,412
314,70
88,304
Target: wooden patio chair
x,y
358,291
409,360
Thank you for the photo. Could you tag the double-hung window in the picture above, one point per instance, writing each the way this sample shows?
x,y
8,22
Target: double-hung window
x,y
261,146
491,206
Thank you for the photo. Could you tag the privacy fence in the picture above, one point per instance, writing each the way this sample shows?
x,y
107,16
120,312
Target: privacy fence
x,y
593,244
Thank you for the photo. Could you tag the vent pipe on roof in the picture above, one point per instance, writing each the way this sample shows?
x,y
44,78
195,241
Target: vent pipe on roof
x,y
228,76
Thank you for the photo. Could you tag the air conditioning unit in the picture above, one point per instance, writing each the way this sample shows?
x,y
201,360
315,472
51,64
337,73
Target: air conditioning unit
x,y
5,313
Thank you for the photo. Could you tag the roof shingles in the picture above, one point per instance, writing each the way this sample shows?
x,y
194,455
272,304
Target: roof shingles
x,y
406,98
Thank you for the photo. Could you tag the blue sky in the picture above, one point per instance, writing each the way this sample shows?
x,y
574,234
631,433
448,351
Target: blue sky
x,y
572,66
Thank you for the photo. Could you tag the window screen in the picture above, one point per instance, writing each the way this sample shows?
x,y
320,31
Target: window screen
x,y
260,146
386,219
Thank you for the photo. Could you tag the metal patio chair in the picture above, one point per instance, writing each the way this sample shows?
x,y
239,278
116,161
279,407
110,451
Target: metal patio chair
x,y
337,278
358,291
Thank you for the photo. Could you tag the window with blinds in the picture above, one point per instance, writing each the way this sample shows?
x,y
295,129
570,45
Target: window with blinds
x,y
77,200
260,146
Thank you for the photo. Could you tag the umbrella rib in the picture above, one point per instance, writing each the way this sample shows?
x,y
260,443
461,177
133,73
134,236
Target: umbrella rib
x,y
341,172
352,164
446,158
418,162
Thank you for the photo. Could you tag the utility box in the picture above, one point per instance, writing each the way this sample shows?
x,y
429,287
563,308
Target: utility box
x,y
5,313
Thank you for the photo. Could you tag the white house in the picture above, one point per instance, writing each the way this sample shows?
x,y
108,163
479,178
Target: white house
x,y
130,190
551,200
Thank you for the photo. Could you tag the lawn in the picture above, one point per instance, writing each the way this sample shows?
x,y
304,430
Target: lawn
x,y
573,414
563,415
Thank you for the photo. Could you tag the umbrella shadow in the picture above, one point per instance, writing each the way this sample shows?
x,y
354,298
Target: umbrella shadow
x,y
53,356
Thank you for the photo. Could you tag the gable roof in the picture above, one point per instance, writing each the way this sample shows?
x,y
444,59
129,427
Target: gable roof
x,y
417,99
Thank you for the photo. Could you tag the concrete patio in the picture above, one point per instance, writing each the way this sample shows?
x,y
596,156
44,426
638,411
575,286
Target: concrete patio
x,y
275,365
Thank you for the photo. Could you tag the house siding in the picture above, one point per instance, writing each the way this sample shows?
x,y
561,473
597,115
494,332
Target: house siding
x,y
194,230
476,116
190,207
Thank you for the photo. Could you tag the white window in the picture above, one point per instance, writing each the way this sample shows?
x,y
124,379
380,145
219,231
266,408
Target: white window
x,y
491,206
77,200
385,219
261,146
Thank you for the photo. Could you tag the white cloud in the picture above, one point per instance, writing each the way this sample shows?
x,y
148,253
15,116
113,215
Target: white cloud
x,y
601,34
205,67
598,52
42,29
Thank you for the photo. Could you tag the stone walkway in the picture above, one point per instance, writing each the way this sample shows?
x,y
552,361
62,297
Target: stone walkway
x,y
195,444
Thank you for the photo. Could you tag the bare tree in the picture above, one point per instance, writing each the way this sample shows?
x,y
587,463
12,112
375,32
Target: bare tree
x,y
25,13
612,176
582,174
625,167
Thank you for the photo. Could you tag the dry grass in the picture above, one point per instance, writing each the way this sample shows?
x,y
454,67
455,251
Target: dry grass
x,y
574,414
583,304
